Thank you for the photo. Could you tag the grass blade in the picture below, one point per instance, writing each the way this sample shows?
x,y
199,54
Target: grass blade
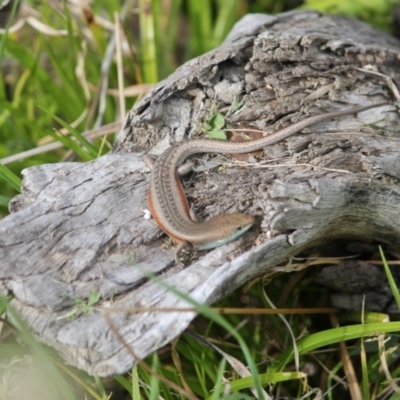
x,y
392,283
78,136
333,336
148,43
7,176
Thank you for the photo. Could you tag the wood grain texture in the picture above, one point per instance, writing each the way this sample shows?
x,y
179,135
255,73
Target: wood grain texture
x,y
79,228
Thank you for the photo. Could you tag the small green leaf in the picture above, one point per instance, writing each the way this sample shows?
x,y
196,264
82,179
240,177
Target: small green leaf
x,y
207,126
93,298
218,121
216,134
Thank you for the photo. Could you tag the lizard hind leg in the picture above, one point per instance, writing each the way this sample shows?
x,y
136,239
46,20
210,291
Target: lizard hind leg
x,y
181,246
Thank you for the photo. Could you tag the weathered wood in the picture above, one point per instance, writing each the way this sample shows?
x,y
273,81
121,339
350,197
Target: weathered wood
x,y
80,228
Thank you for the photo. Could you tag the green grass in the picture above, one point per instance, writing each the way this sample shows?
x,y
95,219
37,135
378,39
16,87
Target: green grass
x,y
46,96
376,12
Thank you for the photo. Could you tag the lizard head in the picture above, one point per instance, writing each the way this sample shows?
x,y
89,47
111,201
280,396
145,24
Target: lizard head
x,y
222,229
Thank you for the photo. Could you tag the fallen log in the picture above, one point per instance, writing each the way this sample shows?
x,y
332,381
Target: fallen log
x,y
78,230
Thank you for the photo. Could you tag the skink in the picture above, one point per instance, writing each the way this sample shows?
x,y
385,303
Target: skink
x,y
167,200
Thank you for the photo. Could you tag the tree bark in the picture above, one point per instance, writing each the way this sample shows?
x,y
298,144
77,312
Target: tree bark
x,y
78,229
